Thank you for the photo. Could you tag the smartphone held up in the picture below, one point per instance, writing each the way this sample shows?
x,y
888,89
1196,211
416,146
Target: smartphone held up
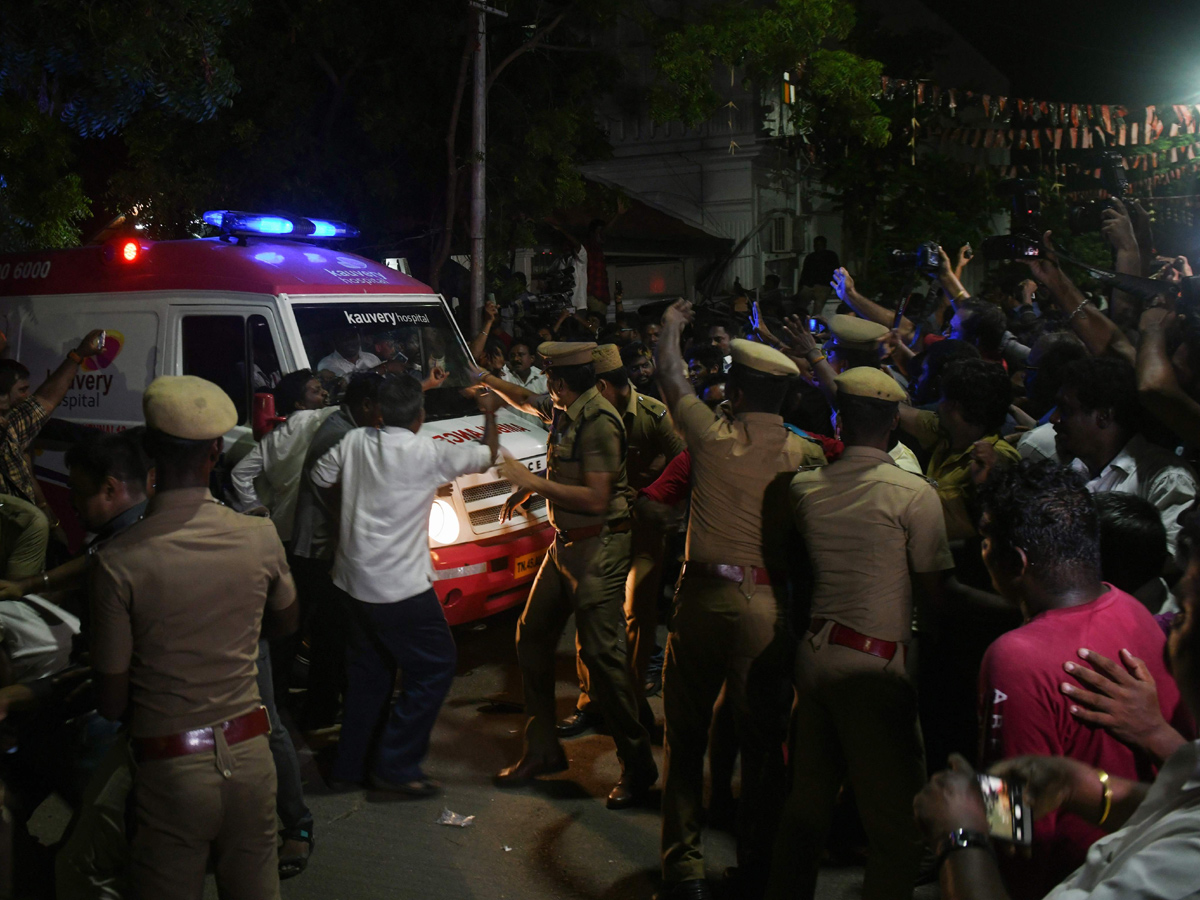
x,y
1008,815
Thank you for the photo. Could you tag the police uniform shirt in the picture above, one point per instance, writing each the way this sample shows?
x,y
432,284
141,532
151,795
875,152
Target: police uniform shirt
x,y
733,463
867,524
653,440
178,601
587,437
952,471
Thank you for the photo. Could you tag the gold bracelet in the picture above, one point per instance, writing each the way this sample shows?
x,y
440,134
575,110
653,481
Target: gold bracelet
x,y
1103,776
962,294
820,359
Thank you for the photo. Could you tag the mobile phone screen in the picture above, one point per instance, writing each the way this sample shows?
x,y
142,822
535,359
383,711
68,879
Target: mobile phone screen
x,y
814,325
1007,813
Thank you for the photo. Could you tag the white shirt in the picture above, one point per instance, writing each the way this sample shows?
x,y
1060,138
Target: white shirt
x,y
535,383
1151,473
38,636
1157,853
1038,444
269,475
340,366
389,478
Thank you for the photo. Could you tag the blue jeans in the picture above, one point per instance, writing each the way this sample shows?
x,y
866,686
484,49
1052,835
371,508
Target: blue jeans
x,y
289,797
410,635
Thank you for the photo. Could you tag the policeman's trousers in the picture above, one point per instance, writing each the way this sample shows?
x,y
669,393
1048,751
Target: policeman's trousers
x,y
855,719
733,635
586,578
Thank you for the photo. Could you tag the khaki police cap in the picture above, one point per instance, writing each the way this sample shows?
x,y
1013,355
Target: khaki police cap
x,y
761,358
607,358
188,407
567,353
853,333
864,381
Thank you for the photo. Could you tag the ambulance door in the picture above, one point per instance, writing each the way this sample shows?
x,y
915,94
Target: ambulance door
x,y
236,347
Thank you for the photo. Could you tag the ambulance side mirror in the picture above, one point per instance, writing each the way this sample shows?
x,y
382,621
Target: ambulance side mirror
x,y
264,420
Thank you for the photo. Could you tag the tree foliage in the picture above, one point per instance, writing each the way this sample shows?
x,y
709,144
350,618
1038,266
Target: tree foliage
x,y
763,41
73,70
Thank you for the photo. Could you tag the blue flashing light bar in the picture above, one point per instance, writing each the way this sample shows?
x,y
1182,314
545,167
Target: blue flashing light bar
x,y
242,224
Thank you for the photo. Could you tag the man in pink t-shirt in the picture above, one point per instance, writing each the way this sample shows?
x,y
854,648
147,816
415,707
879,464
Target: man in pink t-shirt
x,y
1041,547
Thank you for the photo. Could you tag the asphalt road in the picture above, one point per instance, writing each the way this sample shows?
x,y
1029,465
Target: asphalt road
x,y
552,840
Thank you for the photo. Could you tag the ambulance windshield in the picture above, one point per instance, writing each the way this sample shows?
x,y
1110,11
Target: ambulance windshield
x,y
343,338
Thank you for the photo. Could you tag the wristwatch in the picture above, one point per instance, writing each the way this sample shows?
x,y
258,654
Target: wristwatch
x,y
961,839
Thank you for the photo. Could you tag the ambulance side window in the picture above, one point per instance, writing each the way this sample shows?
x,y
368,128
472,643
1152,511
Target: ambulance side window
x,y
266,369
214,348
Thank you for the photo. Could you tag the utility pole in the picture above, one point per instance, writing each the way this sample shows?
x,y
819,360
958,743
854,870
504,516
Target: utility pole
x,y
479,164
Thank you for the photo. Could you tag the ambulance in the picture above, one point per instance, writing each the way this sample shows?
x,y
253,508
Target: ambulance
x,y
267,296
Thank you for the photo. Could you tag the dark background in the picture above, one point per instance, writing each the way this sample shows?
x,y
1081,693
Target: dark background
x,y
1133,52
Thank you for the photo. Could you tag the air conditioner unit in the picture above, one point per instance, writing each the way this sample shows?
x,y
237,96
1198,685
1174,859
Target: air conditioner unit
x,y
782,235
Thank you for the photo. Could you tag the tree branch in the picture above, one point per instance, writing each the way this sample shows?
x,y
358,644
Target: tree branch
x,y
527,46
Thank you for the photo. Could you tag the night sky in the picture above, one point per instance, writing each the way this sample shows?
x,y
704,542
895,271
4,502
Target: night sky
x,y
1133,52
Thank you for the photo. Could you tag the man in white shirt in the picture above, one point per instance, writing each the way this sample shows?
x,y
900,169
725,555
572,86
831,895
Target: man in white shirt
x,y
1096,427
387,479
348,355
521,370
1153,849
269,475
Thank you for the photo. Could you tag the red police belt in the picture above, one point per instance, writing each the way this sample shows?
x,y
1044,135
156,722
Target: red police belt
x,y
199,740
848,637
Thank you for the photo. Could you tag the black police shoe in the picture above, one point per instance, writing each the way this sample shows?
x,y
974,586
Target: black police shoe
x,y
579,722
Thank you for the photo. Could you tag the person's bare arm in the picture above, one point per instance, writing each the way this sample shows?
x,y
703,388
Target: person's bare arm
x,y
479,342
590,498
1117,228
965,255
279,623
1121,698
1099,333
948,278
51,391
488,404
1158,386
670,370
843,284
516,396
69,576
112,694
803,344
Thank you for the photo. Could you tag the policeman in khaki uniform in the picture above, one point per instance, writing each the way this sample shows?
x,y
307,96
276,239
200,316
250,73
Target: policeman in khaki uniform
x,y
652,443
584,571
178,603
869,528
728,626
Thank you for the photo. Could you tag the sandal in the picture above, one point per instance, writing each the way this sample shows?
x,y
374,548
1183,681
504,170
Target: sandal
x,y
291,866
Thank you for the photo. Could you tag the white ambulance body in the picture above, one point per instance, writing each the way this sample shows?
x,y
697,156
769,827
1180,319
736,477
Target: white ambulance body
x,y
242,311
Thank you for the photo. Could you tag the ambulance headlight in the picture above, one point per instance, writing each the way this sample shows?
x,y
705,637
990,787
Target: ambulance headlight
x,y
443,522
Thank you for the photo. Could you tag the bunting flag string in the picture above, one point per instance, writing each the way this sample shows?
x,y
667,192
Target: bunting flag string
x,y
1115,124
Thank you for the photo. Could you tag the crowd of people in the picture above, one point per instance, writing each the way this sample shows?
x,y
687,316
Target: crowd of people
x,y
969,535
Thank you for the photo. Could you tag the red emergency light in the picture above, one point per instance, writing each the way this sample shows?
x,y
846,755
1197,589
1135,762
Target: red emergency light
x,y
123,251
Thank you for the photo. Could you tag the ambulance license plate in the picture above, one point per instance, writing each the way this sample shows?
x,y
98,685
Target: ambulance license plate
x,y
527,564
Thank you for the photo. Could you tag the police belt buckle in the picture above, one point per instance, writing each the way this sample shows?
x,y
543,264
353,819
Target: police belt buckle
x,y
198,740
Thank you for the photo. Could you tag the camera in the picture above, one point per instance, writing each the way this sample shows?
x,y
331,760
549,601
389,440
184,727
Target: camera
x,y
1025,208
1086,217
926,259
1008,247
